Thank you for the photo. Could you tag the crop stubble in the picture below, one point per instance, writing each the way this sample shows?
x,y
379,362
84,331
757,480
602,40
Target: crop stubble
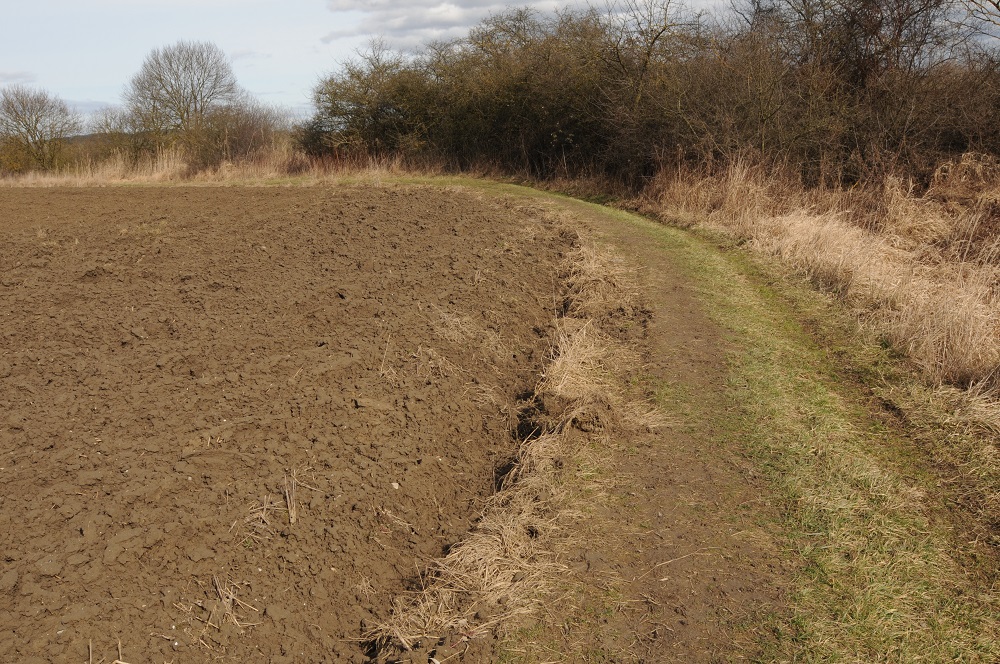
x,y
234,420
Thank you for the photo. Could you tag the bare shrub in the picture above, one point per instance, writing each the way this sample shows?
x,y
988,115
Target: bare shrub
x,y
34,128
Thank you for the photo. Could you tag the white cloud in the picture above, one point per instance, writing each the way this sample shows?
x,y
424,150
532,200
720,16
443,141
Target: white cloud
x,y
248,54
7,77
410,25
382,5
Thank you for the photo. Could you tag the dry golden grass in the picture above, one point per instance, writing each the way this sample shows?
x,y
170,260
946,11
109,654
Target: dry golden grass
x,y
914,266
972,178
961,429
165,166
598,283
502,570
465,330
739,196
280,163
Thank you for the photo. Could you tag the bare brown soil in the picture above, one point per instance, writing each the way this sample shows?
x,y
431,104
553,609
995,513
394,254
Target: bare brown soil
x,y
233,422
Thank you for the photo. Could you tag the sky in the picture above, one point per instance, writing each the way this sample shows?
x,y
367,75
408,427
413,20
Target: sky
x,y
85,51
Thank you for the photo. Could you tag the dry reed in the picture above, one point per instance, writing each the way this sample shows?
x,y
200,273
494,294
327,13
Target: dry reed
x,y
281,162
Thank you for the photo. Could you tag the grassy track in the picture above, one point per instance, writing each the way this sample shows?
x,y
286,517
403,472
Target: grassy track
x,y
878,581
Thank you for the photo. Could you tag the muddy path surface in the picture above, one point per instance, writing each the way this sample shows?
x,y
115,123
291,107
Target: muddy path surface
x,y
698,565
233,421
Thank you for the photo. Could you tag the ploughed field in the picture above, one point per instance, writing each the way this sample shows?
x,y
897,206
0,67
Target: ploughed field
x,y
235,422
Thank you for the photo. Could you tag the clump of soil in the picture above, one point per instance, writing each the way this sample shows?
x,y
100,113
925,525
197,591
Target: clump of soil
x,y
234,421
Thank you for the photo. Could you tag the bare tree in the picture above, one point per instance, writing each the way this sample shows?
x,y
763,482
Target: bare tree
x,y
177,86
118,131
985,11
638,30
34,125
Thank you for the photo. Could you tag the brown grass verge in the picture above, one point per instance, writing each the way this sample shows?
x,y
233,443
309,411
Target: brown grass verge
x,y
507,567
280,163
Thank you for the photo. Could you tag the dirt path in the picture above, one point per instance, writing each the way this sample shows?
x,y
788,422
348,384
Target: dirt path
x,y
716,570
681,564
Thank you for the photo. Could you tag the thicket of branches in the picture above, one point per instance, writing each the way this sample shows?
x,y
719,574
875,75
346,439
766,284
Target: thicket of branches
x,y
833,92
836,91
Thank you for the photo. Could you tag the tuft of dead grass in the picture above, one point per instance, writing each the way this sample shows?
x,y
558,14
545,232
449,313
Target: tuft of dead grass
x,y
961,428
972,178
259,524
231,608
598,283
460,329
